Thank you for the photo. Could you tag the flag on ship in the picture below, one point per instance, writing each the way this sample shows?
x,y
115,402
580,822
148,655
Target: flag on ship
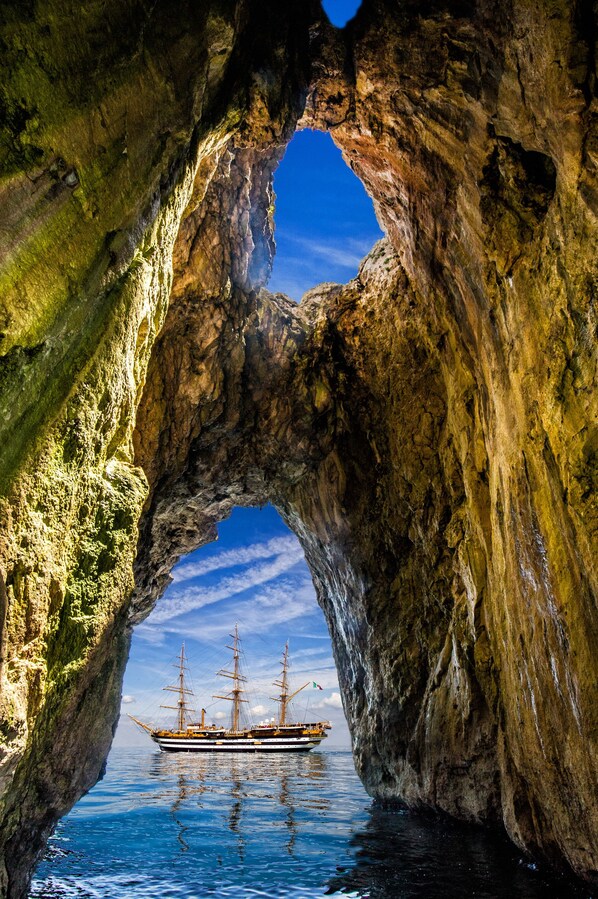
x,y
279,735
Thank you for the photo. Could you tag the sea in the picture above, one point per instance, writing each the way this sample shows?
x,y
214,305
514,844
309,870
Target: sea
x,y
188,826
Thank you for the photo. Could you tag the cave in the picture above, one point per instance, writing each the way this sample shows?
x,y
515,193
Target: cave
x,y
255,577
428,430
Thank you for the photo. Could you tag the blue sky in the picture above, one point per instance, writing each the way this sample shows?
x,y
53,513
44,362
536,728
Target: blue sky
x,y
325,222
255,574
340,11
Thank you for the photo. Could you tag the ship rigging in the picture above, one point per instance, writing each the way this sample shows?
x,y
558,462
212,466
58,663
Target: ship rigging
x,y
274,736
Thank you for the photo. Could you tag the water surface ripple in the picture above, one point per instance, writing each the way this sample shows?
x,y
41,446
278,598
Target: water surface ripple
x,y
187,826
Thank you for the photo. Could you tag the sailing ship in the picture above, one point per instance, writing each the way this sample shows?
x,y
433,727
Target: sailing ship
x,y
274,736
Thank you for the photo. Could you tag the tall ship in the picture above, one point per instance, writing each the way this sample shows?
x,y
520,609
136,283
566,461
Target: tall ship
x,y
274,736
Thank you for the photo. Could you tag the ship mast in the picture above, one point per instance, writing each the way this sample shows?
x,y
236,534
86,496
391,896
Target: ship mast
x,y
284,696
181,707
283,683
237,678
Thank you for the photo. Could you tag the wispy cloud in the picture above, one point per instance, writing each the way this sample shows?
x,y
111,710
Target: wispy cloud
x,y
306,261
293,286
275,604
234,557
331,702
181,602
323,637
346,253
127,699
150,634
265,587
311,652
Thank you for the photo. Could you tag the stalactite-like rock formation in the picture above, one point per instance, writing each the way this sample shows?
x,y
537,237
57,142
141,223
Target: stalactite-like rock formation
x,y
429,430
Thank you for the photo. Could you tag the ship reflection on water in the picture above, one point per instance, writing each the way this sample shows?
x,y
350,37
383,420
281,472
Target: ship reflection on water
x,y
234,816
179,801
286,799
397,853
298,826
247,778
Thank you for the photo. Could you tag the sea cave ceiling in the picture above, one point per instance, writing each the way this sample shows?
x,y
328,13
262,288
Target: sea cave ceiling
x,y
429,430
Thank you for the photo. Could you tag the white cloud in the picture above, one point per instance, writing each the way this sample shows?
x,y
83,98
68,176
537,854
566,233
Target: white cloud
x,y
150,634
220,716
291,287
233,557
347,254
324,637
273,605
312,652
127,699
177,603
331,702
263,672
301,266
259,709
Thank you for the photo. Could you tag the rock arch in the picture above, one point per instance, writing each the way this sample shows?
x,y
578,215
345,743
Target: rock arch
x,y
428,430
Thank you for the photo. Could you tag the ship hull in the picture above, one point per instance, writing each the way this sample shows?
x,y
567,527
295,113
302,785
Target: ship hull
x,y
267,736
238,744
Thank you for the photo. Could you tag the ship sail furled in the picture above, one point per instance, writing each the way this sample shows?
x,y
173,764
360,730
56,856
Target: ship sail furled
x,y
285,697
181,707
237,678
270,737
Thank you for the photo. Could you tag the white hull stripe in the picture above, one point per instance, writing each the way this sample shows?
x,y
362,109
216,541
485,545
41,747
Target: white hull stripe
x,y
193,745
225,749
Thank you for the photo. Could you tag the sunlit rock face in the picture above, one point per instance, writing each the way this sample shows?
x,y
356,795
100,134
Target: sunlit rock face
x,y
480,152
109,114
428,430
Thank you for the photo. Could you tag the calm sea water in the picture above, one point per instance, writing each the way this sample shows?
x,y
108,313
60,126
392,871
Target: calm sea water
x,y
191,826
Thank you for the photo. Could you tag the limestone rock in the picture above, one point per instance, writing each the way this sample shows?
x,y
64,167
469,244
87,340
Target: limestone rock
x,y
429,430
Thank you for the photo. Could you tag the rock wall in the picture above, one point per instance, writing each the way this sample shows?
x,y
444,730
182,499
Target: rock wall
x,y
109,116
479,153
428,431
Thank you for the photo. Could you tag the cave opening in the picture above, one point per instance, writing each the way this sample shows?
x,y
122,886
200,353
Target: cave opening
x,y
454,456
255,576
341,12
219,816
325,225
325,221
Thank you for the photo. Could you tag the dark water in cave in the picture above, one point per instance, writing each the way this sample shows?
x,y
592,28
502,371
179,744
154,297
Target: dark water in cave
x,y
174,826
